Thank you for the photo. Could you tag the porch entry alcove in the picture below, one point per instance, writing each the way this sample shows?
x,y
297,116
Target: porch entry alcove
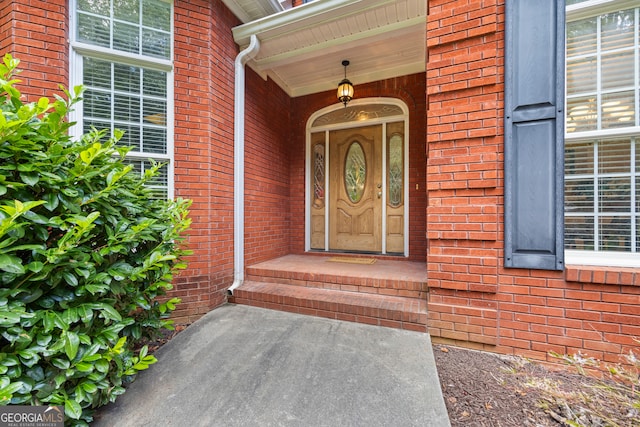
x,y
356,178
356,204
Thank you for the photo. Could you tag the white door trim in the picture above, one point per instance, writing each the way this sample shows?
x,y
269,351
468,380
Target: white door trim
x,y
353,124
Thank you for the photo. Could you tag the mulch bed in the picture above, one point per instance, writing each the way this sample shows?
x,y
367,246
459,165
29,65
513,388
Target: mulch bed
x,y
485,389
165,336
482,389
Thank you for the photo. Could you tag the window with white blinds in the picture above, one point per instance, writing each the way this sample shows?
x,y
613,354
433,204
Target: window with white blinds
x,y
602,142
122,53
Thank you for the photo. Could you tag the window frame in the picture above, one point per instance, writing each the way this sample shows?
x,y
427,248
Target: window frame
x,y
576,12
80,50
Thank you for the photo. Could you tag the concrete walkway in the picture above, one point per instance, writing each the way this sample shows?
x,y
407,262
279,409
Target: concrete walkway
x,y
247,366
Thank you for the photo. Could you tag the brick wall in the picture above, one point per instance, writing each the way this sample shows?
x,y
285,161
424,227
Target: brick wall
x,y
205,55
411,90
35,32
267,165
474,300
6,26
204,74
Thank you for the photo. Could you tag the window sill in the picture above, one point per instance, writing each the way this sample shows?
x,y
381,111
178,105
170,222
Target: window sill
x,y
602,259
620,276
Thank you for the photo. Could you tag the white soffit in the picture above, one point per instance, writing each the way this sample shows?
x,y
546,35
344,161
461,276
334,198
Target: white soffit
x,y
302,48
250,10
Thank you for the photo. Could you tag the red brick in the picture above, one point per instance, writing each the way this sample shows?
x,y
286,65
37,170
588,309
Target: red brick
x,y
531,318
547,292
583,295
604,327
621,318
564,303
601,306
585,315
515,343
530,336
548,311
529,300
514,325
622,298
565,341
585,334
602,346
625,340
546,329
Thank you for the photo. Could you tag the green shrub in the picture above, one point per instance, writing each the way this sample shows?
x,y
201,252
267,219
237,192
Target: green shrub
x,y
85,252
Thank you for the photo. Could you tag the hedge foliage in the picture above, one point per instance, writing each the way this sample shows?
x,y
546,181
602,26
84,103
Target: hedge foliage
x,y
86,256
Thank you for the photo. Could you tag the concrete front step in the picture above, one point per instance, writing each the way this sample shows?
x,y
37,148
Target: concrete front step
x,y
374,309
384,277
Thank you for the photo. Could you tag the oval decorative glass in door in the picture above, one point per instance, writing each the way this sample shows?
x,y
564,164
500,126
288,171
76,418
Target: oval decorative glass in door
x,y
355,172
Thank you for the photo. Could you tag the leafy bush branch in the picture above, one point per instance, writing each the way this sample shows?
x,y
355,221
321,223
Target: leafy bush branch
x,y
87,255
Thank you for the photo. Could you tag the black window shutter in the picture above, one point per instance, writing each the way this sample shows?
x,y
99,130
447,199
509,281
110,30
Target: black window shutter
x,y
534,134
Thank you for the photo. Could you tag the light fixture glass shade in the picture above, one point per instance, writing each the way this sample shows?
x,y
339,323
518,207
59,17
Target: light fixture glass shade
x,y
345,91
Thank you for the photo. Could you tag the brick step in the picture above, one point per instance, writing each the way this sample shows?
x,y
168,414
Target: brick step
x,y
393,278
374,309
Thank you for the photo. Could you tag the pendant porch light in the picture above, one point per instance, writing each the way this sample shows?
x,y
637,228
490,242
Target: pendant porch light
x,y
345,88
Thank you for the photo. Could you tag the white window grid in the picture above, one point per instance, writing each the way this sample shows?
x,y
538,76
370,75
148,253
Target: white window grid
x,y
578,11
596,177
164,183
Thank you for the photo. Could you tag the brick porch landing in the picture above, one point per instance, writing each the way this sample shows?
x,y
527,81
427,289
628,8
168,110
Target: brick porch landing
x,y
390,293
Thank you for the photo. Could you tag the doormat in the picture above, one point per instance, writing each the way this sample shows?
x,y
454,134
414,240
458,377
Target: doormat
x,y
351,260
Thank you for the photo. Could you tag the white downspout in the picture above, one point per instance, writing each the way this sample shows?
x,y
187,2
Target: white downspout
x,y
238,164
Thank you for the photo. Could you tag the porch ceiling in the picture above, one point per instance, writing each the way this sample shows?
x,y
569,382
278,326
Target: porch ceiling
x,y
250,10
302,48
